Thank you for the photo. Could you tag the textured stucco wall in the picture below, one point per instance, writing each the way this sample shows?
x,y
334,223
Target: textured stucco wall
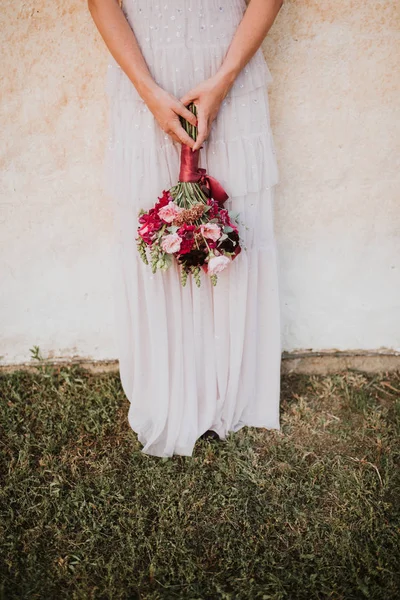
x,y
336,121
335,115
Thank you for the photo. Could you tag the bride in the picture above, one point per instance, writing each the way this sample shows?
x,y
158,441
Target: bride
x,y
194,362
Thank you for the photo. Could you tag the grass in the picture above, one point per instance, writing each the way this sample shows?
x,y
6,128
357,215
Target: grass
x,y
311,511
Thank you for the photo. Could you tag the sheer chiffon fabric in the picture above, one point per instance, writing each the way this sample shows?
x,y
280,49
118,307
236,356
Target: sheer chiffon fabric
x,y
190,358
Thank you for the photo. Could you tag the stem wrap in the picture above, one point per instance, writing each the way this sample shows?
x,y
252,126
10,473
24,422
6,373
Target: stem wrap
x,y
190,172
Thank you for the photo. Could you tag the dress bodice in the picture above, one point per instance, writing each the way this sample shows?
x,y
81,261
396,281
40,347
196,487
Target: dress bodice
x,y
184,23
184,42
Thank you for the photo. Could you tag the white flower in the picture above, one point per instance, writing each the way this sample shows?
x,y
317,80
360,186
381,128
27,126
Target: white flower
x,y
216,264
168,212
171,243
211,231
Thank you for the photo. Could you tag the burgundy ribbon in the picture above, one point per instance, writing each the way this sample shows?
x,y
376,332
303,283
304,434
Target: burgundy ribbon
x,y
190,172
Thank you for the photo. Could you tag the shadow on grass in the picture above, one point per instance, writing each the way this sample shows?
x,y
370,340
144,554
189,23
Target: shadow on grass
x,y
311,511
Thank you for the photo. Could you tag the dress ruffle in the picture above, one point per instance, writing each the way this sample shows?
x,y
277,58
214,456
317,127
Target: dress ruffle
x,y
240,151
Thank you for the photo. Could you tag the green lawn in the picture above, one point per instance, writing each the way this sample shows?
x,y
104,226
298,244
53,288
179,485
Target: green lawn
x,y
311,511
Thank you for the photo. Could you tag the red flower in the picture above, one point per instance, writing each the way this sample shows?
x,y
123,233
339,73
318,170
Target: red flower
x,y
186,228
186,232
162,201
213,212
224,216
150,223
186,246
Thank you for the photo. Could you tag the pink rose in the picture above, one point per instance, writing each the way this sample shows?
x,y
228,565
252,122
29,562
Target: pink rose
x,y
171,243
216,264
211,231
168,212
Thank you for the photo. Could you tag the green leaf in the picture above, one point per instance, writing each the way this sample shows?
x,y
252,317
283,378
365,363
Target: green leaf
x,y
167,259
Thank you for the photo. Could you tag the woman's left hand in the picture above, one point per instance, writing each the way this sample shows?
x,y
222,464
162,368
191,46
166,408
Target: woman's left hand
x,y
207,96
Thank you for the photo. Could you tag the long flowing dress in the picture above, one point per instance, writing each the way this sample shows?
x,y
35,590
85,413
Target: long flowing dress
x,y
193,359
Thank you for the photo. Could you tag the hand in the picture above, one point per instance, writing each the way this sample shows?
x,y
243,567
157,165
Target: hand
x,y
166,110
207,96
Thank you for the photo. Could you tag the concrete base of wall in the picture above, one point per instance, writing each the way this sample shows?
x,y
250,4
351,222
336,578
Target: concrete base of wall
x,y
324,363
311,363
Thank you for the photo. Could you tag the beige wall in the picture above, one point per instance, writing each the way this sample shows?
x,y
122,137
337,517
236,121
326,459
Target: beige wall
x,y
336,121
335,117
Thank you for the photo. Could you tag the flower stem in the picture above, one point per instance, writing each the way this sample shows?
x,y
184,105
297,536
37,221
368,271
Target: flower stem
x,y
188,127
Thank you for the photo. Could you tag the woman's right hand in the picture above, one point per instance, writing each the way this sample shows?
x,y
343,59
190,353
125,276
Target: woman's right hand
x,y
166,110
122,43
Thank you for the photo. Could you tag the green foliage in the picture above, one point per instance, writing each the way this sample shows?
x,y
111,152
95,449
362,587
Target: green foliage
x,y
154,253
196,275
184,276
141,246
214,279
307,512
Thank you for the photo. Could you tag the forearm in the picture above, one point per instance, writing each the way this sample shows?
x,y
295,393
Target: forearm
x,y
257,21
121,42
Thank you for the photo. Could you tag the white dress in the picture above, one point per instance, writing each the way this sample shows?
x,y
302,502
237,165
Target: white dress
x,y
190,358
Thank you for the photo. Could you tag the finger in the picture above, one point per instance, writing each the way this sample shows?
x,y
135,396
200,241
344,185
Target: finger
x,y
184,137
202,131
200,139
174,137
186,114
188,97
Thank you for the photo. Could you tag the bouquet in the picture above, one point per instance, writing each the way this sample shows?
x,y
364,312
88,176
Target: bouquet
x,y
189,223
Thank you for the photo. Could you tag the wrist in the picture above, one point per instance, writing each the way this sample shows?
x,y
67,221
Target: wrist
x,y
227,76
146,87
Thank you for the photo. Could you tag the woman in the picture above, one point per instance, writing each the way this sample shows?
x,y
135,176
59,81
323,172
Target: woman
x,y
205,361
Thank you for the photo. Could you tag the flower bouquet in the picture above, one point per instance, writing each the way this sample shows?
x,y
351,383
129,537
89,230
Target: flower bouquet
x,y
189,222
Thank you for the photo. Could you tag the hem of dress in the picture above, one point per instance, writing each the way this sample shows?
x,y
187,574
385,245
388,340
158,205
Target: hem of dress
x,y
189,448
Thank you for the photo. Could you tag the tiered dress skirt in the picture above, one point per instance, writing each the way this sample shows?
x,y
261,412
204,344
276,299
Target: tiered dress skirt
x,y
190,358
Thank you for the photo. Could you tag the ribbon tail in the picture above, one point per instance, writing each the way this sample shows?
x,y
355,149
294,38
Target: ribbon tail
x,y
216,189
